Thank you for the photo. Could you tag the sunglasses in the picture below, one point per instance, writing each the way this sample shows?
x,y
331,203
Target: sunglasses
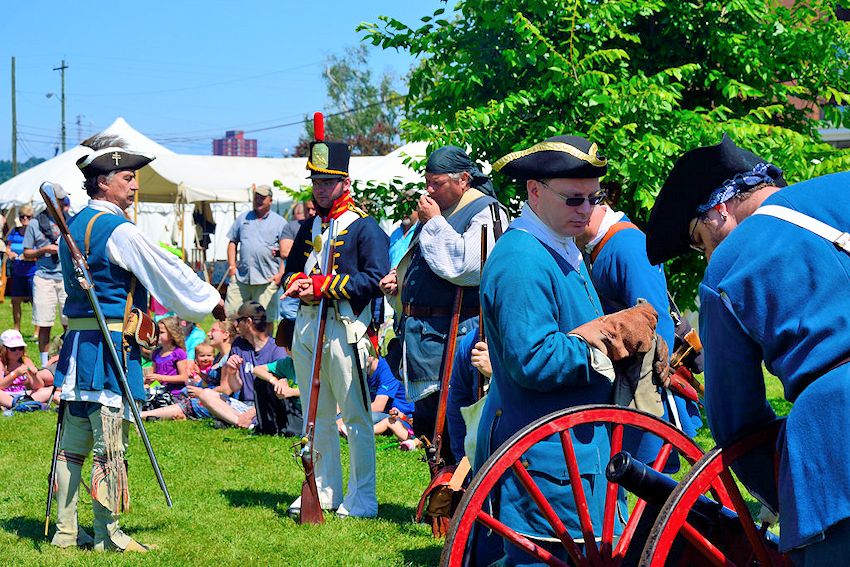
x,y
594,199
24,217
15,348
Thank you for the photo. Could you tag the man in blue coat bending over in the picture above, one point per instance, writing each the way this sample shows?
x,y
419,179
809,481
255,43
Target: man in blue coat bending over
x,y
539,310
774,291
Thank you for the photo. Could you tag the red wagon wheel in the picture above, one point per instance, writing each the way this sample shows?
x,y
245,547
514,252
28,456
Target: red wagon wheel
x,y
741,542
507,460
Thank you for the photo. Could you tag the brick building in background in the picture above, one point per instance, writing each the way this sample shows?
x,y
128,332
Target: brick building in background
x,y
235,143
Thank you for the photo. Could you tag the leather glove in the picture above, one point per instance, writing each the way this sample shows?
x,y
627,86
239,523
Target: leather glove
x,y
621,334
661,362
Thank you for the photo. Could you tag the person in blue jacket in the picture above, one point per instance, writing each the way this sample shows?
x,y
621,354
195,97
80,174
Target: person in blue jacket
x,y
621,273
535,290
774,292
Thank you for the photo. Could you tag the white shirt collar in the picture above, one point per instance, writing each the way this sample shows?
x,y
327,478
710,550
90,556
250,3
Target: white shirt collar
x,y
101,205
611,218
565,246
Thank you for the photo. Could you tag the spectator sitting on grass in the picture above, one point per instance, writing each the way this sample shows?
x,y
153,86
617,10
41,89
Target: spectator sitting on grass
x,y
17,372
170,366
240,400
391,412
281,375
194,336
188,405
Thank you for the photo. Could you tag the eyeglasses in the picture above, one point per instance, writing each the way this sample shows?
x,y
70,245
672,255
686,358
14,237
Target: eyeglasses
x,y
694,246
24,217
594,199
15,348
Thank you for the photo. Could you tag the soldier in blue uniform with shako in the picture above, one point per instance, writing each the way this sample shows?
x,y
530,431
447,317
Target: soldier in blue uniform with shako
x,y
125,265
361,260
537,301
774,292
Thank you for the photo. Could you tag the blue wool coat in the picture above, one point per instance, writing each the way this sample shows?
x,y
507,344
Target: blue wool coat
x,y
530,302
776,293
621,274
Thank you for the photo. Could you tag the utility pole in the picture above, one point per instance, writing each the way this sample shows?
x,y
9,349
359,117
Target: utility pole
x,y
14,126
62,68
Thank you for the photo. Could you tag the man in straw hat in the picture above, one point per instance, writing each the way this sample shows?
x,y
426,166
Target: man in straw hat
x,y
361,258
125,265
774,293
542,316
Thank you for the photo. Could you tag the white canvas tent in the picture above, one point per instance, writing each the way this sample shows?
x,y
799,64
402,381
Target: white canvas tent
x,y
62,169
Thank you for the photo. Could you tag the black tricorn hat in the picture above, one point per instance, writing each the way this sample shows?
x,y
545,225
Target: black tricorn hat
x,y
107,160
570,157
693,179
328,159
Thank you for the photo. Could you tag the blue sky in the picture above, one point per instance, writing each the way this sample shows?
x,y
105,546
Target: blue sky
x,y
181,72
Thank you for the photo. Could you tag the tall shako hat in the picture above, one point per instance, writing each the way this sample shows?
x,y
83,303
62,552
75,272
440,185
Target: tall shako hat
x,y
107,160
327,159
691,182
570,157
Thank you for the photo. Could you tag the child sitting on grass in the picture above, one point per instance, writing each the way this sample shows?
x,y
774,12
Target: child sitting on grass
x,y
170,366
17,372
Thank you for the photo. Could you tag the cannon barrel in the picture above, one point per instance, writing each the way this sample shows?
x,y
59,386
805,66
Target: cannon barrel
x,y
655,487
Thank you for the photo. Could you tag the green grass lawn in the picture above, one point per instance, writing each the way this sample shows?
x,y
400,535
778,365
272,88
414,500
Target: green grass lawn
x,y
230,491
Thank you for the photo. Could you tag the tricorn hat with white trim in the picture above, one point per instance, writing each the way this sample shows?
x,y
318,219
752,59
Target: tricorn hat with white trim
x,y
107,160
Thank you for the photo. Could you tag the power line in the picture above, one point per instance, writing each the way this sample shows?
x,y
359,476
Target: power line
x,y
289,124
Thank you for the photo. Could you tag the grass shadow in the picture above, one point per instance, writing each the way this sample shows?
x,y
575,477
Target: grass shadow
x,y
26,528
247,498
427,556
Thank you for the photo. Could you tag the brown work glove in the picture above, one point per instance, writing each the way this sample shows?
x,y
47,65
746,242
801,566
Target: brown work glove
x,y
621,334
661,363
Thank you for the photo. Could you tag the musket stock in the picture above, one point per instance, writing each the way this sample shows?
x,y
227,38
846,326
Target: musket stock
x,y
83,275
435,460
311,508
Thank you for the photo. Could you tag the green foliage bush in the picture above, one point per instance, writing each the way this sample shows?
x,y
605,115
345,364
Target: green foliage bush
x,y
646,79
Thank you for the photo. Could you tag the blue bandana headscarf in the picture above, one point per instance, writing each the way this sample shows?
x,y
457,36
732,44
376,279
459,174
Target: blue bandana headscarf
x,y
761,173
452,159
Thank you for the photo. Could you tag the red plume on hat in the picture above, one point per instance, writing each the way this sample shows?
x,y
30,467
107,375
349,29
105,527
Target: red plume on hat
x,y
326,159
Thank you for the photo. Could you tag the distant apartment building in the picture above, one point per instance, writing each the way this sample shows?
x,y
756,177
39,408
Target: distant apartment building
x,y
235,143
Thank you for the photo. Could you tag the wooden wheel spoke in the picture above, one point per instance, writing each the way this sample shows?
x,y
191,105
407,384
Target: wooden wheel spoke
x,y
611,494
629,530
746,519
547,510
579,497
708,549
663,456
518,540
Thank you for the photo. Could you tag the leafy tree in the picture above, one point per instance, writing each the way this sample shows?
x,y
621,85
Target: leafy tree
x,y
6,167
646,79
368,110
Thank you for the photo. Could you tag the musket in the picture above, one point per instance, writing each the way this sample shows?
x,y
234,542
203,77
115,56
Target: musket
x,y
51,478
481,337
435,447
83,275
311,508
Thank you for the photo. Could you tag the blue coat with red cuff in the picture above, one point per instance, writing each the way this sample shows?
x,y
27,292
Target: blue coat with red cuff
x,y
361,260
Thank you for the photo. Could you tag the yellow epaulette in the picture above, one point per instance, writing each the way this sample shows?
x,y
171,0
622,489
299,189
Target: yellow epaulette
x,y
352,207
